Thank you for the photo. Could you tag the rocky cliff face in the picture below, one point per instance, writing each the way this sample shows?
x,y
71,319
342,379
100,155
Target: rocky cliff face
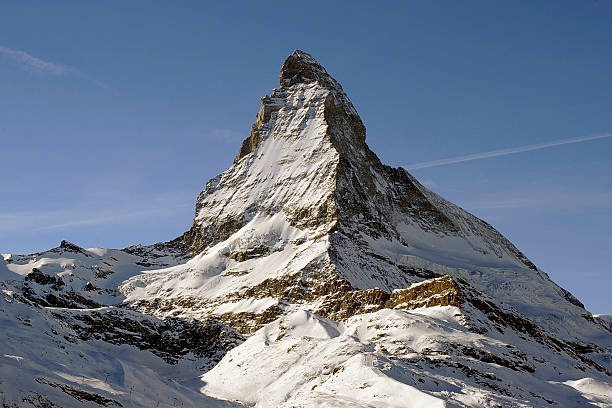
x,y
350,282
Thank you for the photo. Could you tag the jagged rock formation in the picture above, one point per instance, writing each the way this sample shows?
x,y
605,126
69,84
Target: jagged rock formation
x,y
306,170
345,281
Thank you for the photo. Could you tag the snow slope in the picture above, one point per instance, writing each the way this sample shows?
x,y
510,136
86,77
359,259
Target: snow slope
x,y
392,359
43,363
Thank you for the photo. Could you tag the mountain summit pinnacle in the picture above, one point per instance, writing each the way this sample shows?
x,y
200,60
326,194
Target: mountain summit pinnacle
x,y
301,67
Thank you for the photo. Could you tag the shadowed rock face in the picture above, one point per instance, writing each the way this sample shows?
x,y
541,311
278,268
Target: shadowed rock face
x,y
170,339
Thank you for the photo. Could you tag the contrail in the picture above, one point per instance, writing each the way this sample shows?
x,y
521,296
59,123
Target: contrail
x,y
36,64
504,152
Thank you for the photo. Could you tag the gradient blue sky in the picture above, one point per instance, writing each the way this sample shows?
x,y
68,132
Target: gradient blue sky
x,y
113,115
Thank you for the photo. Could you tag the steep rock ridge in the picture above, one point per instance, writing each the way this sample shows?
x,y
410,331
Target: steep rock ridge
x,y
269,179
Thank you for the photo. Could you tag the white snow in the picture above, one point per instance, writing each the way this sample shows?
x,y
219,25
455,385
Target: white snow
x,y
246,305
39,350
598,392
375,360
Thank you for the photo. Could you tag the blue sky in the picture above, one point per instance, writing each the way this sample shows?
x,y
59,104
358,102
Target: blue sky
x,y
113,115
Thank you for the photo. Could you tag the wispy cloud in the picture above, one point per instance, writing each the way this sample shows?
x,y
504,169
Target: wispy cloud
x,y
504,152
46,221
38,65
99,212
88,219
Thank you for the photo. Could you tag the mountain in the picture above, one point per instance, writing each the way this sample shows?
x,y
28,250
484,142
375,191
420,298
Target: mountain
x,y
312,275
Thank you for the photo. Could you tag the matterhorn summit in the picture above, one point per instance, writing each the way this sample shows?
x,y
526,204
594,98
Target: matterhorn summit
x,y
313,275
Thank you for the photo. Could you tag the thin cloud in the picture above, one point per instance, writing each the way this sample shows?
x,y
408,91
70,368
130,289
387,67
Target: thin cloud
x,y
96,212
36,64
90,220
504,152
76,218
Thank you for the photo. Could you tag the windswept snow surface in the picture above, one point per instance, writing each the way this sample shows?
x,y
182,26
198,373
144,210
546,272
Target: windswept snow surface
x,y
214,273
389,359
42,361
599,393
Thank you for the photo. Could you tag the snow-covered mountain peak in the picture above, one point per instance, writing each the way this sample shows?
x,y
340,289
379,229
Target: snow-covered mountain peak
x,y
306,163
328,278
290,161
301,67
307,204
